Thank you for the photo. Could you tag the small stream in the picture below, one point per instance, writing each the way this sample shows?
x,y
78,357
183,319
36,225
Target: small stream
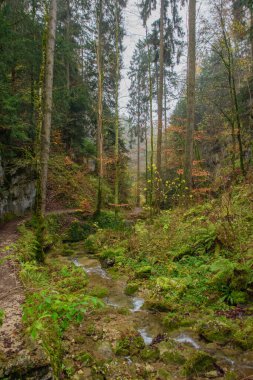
x,y
149,325
183,338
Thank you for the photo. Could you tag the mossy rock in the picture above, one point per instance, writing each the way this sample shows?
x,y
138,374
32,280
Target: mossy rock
x,y
131,345
110,256
143,272
158,304
99,292
216,330
198,364
171,352
167,345
231,375
163,283
131,288
112,253
175,285
243,337
172,322
149,354
173,357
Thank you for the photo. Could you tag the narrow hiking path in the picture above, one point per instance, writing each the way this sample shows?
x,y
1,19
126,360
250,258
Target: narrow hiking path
x,y
19,356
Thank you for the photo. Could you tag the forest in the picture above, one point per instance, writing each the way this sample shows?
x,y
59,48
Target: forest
x,y
126,189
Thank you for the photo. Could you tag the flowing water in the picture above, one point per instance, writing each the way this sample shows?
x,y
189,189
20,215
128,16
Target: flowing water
x,y
149,325
183,338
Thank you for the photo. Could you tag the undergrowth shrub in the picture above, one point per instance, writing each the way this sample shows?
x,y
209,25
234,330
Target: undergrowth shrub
x,y
112,253
108,219
92,244
33,275
49,312
27,244
231,279
48,315
73,282
57,297
202,242
79,231
106,238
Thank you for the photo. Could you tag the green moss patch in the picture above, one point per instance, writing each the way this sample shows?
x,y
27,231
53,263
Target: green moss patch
x,y
198,364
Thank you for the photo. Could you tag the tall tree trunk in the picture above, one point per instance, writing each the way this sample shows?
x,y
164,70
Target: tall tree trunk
x,y
251,45
82,63
68,42
151,127
138,199
157,80
165,122
138,195
116,185
230,65
160,101
32,98
238,122
146,160
100,108
191,79
47,108
251,34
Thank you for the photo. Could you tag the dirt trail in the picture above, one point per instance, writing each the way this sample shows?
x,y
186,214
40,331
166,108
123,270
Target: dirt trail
x,y
17,353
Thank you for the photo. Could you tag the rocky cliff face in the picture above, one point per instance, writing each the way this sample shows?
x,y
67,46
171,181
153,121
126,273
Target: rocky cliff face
x,y
17,189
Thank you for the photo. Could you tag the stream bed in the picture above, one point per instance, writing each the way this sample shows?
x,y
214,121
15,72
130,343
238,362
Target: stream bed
x,y
149,324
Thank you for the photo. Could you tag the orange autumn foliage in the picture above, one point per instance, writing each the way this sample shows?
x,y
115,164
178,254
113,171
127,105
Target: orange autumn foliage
x,y
86,206
68,161
195,172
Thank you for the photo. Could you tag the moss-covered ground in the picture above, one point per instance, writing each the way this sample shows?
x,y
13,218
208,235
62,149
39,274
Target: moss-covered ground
x,y
193,266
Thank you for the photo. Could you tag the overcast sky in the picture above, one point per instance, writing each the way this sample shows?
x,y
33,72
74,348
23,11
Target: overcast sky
x,y
134,30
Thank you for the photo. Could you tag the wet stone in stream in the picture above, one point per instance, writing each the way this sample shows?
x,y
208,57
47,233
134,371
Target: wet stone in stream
x,y
90,268
116,298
